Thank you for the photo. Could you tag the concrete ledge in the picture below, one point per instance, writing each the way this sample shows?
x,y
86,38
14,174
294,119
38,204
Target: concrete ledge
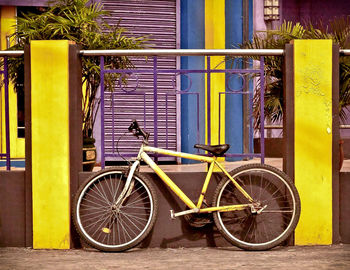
x,y
167,233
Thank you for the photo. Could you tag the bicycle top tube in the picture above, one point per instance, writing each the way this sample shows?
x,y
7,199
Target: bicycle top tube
x,y
178,154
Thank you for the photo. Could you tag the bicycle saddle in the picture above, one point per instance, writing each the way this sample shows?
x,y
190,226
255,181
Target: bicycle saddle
x,y
216,150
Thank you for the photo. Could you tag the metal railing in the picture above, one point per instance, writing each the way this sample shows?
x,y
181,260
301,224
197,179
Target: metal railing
x,y
344,52
188,52
4,72
151,52
185,52
238,52
156,71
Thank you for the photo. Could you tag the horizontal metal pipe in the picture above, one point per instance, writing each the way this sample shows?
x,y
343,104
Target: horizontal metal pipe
x,y
185,52
11,53
234,52
344,52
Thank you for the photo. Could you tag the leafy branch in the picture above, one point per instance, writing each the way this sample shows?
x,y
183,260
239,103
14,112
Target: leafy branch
x,y
81,21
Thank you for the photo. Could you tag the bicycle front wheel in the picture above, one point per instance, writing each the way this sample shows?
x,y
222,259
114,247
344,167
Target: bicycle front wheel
x,y
276,213
108,227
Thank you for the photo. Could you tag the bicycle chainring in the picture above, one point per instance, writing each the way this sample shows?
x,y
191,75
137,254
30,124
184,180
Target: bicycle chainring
x,y
199,220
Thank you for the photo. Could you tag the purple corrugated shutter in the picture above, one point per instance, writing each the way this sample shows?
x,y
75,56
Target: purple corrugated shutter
x,y
157,19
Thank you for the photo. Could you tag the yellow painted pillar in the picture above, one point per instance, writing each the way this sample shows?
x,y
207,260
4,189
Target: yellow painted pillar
x,y
215,39
313,140
50,144
7,27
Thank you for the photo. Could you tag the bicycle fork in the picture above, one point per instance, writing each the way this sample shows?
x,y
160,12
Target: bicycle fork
x,y
129,185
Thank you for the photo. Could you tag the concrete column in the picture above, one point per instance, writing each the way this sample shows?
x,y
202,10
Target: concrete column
x,y
311,130
54,139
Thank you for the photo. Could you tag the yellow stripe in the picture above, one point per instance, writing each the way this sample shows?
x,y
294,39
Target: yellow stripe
x,y
313,139
8,20
215,39
50,144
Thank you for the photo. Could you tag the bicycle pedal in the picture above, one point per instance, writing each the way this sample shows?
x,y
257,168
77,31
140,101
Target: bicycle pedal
x,y
172,214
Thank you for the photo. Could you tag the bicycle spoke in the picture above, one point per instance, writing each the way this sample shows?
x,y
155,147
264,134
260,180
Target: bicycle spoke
x,y
103,200
90,213
95,188
131,215
132,222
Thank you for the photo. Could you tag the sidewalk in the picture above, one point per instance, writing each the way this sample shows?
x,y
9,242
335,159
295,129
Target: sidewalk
x,y
310,257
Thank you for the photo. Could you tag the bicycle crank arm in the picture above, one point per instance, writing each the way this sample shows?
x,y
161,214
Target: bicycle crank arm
x,y
175,215
260,210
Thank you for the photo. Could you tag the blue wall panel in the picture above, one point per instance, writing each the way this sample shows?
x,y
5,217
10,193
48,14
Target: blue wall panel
x,y
192,37
234,102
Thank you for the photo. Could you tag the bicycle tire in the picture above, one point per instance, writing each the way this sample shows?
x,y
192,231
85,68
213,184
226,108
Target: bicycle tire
x,y
274,224
104,227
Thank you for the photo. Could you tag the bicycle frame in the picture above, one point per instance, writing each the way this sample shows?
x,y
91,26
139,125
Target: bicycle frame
x,y
193,208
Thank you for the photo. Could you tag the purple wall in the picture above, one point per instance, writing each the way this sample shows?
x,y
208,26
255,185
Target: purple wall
x,y
26,3
314,11
303,10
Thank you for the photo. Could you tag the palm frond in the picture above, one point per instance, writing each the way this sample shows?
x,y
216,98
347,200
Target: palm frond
x,y
338,31
81,21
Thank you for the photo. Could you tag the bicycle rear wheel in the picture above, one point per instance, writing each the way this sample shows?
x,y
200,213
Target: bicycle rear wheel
x,y
273,193
106,227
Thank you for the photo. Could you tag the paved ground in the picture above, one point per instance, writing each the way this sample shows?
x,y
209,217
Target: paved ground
x,y
317,257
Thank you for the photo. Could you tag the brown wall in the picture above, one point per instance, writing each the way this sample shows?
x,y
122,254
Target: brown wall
x,y
12,209
314,10
344,216
167,233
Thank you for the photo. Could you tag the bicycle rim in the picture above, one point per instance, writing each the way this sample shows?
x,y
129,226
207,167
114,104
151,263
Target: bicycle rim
x,y
277,198
107,228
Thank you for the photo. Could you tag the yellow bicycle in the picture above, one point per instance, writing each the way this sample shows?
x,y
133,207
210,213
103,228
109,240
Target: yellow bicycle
x,y
255,207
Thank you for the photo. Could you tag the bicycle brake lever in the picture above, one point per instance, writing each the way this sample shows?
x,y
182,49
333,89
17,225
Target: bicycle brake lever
x,y
134,132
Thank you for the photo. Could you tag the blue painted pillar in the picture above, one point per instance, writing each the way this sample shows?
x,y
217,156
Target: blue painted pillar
x,y
192,37
234,102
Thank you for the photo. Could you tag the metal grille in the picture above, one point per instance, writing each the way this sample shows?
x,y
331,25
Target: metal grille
x,y
157,20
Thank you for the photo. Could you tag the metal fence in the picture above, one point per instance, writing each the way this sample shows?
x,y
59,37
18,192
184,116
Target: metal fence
x,y
6,154
114,104
156,108
154,54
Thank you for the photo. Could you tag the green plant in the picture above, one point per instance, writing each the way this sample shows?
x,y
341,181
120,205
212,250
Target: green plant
x,y
338,30
81,21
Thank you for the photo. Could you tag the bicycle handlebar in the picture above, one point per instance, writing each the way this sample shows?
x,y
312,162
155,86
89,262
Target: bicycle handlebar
x,y
137,131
